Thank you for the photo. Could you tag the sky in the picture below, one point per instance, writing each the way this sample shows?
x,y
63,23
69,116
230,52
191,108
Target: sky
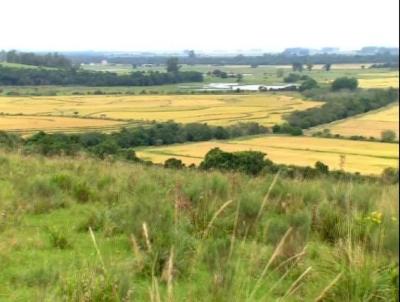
x,y
203,25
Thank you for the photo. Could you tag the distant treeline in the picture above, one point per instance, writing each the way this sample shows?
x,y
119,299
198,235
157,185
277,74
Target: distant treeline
x,y
102,144
394,65
32,77
30,58
266,59
341,104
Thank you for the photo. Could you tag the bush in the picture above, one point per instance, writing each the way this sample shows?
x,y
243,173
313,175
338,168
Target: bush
x,y
321,167
82,192
173,163
390,175
308,84
58,239
388,136
287,128
344,83
292,78
249,162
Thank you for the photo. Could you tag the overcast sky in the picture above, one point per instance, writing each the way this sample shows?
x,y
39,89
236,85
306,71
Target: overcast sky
x,y
196,24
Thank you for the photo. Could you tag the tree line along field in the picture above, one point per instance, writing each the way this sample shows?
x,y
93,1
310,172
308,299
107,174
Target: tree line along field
x,y
268,74
50,113
352,156
370,124
79,229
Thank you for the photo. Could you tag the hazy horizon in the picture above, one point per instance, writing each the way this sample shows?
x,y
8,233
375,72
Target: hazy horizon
x,y
206,26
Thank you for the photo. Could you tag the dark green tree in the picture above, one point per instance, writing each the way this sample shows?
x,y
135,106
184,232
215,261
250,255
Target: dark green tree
x,y
297,66
172,65
327,66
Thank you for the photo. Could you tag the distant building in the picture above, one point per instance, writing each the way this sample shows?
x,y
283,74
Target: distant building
x,y
104,62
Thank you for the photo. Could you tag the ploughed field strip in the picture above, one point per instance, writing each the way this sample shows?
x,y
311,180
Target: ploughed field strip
x,y
370,124
352,156
213,109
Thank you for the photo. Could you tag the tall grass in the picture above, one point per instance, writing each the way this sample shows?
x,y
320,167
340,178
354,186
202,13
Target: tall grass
x,y
108,231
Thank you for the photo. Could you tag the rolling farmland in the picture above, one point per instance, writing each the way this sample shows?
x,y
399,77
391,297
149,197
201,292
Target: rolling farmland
x,y
363,157
113,110
370,124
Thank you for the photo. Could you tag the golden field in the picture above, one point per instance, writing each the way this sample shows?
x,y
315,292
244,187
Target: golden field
x,y
363,157
370,124
379,82
29,124
212,109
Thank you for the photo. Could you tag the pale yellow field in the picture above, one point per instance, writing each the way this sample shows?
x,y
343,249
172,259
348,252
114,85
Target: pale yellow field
x,y
27,124
212,109
363,157
369,124
384,82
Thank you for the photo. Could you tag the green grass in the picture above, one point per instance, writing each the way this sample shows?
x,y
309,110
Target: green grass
x,y
207,236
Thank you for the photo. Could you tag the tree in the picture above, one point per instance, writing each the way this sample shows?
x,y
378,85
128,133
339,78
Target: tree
x,y
172,64
297,66
344,83
310,66
308,84
239,77
388,136
327,66
191,54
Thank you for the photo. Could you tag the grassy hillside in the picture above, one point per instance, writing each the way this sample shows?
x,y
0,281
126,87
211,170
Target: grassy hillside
x,y
84,230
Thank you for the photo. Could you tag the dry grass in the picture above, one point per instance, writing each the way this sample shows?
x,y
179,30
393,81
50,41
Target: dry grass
x,y
370,124
212,109
363,157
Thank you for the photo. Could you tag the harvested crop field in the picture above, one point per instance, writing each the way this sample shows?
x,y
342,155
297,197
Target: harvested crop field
x,y
266,109
379,82
29,124
370,124
363,157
